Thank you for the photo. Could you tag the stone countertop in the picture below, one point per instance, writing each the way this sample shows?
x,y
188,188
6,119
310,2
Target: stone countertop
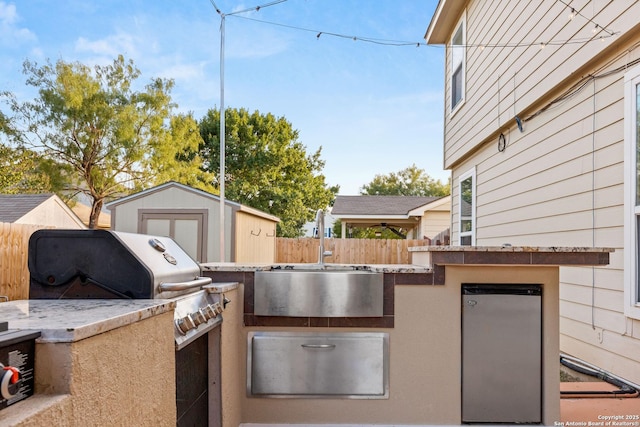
x,y
531,249
374,268
510,255
69,320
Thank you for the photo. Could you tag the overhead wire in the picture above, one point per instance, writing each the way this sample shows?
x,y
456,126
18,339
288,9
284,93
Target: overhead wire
x,y
320,33
388,42
583,83
215,6
249,9
577,13
256,8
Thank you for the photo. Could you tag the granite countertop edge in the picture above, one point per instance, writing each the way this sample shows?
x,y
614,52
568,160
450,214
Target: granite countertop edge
x,y
373,268
531,249
69,320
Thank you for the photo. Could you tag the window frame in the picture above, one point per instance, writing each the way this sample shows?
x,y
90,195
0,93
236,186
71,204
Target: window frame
x,y
631,204
463,177
462,64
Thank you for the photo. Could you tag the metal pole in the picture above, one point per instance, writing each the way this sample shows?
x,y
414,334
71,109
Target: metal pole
x,y
222,141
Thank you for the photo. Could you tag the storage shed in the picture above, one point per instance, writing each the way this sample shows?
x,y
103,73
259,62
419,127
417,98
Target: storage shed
x,y
38,209
192,218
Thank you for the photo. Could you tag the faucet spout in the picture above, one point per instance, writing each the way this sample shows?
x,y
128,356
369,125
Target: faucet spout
x,y
320,230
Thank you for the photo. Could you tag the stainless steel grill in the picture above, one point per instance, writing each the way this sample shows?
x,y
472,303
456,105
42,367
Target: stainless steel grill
x,y
88,263
108,264
97,264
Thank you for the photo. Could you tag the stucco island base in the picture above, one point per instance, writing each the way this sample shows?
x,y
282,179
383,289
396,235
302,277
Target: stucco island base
x,y
121,377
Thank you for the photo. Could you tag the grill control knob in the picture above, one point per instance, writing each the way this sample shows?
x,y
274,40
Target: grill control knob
x,y
185,324
217,308
209,312
198,317
211,308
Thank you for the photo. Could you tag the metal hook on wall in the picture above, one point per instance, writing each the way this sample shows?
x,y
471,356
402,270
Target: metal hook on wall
x,y
254,234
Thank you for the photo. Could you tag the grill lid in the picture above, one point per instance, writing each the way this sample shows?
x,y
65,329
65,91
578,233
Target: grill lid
x,y
106,264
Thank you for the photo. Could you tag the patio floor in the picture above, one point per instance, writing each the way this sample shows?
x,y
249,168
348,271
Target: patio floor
x,y
598,409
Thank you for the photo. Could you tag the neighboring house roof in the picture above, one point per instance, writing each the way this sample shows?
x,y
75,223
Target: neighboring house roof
x,y
15,206
396,210
39,209
378,205
173,184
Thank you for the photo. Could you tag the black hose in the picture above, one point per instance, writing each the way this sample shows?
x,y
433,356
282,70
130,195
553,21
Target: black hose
x,y
622,387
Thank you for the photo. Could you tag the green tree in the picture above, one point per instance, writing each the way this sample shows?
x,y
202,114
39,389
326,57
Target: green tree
x,y
92,120
180,161
267,167
24,171
411,181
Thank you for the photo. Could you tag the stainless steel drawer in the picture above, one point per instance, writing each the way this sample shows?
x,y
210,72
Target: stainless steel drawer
x,y
289,364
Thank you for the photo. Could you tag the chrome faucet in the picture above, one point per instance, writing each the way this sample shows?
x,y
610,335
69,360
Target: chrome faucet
x,y
320,230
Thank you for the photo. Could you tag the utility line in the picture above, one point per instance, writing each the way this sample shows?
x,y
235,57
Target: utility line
x,y
575,12
256,8
344,36
582,83
249,9
387,42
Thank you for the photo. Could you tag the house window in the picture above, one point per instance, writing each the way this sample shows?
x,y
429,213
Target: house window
x,y
457,71
632,193
467,208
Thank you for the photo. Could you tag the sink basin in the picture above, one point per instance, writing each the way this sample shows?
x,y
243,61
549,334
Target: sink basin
x,y
318,291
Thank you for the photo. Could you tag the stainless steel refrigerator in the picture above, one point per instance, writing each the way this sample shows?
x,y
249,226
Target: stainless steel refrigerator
x,y
501,353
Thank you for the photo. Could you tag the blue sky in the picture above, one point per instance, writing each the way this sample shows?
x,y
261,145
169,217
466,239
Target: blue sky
x,y
373,108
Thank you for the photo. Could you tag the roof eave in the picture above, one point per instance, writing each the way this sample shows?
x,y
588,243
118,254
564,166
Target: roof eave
x,y
444,19
372,217
420,210
258,213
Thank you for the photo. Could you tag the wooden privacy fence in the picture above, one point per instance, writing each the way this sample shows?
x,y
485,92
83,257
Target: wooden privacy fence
x,y
346,251
14,251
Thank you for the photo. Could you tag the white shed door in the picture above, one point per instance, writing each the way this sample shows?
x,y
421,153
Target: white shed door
x,y
187,229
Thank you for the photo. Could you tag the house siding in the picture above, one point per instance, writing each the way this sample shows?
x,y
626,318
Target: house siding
x,y
560,182
505,81
434,222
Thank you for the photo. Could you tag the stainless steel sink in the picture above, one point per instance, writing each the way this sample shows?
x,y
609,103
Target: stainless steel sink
x,y
318,291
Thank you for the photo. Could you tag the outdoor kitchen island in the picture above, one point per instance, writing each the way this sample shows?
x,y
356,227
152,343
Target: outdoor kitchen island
x,y
97,361
422,316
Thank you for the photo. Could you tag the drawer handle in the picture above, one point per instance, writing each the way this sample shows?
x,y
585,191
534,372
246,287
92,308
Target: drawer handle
x,y
318,346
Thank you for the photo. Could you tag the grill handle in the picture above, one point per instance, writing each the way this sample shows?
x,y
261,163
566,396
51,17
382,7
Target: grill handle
x,y
198,282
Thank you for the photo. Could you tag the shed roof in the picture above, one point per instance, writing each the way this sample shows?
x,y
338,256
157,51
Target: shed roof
x,y
15,206
172,184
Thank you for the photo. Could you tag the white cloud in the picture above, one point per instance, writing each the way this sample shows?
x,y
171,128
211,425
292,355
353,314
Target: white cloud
x,y
10,32
8,14
180,71
111,46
